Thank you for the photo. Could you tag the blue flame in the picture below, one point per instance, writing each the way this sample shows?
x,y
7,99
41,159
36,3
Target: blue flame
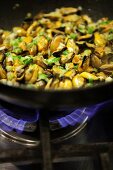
x,y
10,123
77,116
81,114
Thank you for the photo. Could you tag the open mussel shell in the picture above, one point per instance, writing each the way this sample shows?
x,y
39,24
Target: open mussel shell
x,y
107,68
57,44
95,61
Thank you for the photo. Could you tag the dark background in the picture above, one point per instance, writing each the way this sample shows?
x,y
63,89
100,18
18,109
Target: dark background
x,y
12,15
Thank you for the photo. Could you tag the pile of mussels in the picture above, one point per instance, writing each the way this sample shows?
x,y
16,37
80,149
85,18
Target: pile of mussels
x,y
63,49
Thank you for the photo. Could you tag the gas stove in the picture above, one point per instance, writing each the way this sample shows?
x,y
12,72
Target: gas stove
x,y
22,125
79,139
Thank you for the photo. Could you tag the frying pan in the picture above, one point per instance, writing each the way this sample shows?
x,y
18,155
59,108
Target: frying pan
x,y
12,14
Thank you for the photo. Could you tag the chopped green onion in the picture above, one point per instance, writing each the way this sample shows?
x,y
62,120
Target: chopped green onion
x,y
110,37
24,60
76,66
35,42
8,54
86,52
53,60
89,85
16,41
90,81
81,28
27,61
9,68
111,31
41,33
105,22
15,57
10,75
66,52
73,36
43,77
30,45
48,38
17,50
90,30
95,70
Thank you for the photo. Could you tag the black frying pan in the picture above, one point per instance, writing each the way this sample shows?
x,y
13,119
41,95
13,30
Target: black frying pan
x,y
10,16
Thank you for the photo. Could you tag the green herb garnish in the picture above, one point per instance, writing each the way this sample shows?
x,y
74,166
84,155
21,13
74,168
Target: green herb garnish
x,y
10,76
111,31
41,33
16,41
34,42
15,57
9,68
48,38
86,52
76,66
43,77
8,54
27,61
90,81
82,29
53,60
66,52
105,22
110,37
24,60
17,50
90,30
73,36
95,70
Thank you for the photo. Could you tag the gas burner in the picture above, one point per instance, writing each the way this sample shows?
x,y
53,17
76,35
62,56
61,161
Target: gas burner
x,y
23,128
31,141
28,133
